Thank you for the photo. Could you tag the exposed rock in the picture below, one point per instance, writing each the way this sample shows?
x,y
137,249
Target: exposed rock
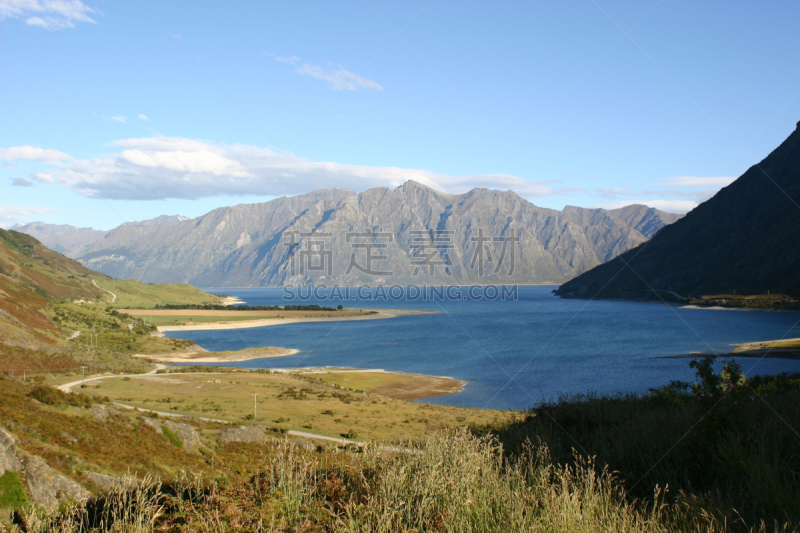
x,y
99,412
8,455
47,487
153,423
104,481
188,435
243,434
249,245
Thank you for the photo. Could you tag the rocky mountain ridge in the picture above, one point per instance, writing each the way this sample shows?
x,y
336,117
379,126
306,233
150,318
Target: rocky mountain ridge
x,y
411,234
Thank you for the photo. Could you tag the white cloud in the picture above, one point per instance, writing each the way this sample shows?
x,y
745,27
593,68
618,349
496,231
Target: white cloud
x,y
337,76
10,215
678,194
142,116
21,182
155,168
31,153
47,14
117,118
670,206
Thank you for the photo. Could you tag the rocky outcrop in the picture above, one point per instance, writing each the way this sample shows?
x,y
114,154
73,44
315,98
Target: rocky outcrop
x,y
188,435
153,423
8,454
243,434
47,487
99,413
104,481
264,244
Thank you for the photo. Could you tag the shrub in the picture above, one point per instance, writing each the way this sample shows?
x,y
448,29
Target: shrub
x,y
58,398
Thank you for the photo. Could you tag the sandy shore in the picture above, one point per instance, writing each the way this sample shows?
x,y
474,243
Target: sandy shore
x,y
779,349
231,300
715,308
405,386
199,355
379,314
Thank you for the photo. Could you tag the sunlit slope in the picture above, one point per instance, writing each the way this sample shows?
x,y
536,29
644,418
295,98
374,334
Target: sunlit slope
x,y
35,280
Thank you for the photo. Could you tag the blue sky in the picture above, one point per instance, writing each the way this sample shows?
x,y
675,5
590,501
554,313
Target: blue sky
x,y
121,111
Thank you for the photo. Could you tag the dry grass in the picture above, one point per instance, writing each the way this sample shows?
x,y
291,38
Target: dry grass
x,y
397,385
455,483
291,402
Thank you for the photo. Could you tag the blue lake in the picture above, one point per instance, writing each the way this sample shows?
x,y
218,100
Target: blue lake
x,y
514,353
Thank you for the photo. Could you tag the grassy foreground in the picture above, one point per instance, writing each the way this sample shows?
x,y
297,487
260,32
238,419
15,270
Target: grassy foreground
x,y
676,459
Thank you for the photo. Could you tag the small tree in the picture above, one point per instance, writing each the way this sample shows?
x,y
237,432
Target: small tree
x,y
720,398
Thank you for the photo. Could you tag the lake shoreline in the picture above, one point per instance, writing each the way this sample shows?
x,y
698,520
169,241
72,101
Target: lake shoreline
x,y
775,349
379,314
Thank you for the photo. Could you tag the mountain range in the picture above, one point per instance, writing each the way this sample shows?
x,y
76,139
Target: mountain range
x,y
744,240
411,234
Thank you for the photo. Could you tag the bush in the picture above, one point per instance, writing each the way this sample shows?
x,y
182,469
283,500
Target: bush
x,y
58,398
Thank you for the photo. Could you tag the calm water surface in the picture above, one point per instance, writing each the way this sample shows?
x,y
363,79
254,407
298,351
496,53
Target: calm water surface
x,y
514,353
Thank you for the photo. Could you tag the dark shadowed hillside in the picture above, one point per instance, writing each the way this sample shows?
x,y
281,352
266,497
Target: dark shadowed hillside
x,y
746,239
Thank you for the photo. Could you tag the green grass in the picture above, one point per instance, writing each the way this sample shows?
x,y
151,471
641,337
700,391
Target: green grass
x,y
12,493
174,439
133,294
161,320
735,462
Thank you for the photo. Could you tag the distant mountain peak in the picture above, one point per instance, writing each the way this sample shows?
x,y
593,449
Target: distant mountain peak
x,y
246,245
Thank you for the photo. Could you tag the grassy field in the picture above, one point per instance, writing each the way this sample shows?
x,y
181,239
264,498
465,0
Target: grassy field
x,y
179,317
669,460
393,384
188,319
131,293
290,401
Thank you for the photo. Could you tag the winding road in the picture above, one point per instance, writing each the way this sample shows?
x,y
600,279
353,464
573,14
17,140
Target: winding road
x,y
113,296
67,387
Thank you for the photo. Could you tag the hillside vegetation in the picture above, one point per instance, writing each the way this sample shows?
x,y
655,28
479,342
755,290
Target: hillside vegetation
x,y
56,314
675,459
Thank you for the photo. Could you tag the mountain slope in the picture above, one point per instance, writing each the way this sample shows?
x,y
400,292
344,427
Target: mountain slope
x,y
45,296
745,239
61,238
31,277
247,245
